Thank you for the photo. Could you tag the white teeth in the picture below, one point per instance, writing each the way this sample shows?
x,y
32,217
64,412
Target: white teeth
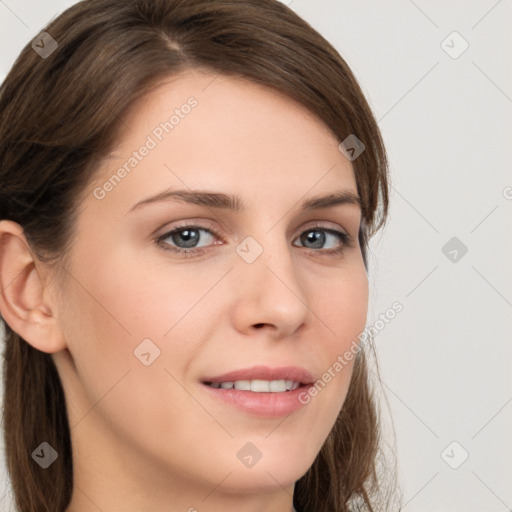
x,y
258,386
277,386
244,385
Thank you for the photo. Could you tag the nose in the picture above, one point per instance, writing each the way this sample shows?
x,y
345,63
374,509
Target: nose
x,y
270,293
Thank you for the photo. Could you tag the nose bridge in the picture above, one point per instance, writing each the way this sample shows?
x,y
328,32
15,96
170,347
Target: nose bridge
x,y
272,291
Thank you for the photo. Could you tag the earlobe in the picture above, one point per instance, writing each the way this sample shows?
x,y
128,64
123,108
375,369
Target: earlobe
x,y
23,303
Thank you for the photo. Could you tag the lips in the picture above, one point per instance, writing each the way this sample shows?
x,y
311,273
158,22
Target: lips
x,y
274,391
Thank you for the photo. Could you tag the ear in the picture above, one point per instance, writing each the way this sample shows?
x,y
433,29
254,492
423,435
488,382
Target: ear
x,y
23,297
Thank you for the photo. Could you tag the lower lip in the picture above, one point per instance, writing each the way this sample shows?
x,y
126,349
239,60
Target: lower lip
x,y
268,405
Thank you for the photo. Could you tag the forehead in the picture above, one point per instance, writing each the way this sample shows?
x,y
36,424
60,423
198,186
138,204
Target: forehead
x,y
204,130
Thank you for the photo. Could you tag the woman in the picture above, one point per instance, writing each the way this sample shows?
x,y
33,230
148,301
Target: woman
x,y
173,340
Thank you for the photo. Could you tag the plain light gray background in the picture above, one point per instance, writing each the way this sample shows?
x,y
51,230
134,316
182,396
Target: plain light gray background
x,y
445,115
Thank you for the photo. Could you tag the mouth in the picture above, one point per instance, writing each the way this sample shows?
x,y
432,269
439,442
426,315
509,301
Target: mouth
x,y
258,385
261,390
262,379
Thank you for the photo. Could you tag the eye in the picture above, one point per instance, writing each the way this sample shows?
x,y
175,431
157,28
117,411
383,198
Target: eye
x,y
318,236
183,240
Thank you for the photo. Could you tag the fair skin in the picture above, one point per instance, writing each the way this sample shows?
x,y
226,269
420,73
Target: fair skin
x,y
151,437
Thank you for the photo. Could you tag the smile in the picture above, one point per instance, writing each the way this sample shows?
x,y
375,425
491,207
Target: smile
x,y
257,386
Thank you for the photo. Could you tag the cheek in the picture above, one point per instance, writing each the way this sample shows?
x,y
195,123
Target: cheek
x,y
129,299
115,304
342,305
105,319
342,310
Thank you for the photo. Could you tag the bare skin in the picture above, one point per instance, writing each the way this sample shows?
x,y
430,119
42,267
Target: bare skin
x,y
152,437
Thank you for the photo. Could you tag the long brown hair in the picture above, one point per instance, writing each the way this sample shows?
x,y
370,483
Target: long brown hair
x,y
59,115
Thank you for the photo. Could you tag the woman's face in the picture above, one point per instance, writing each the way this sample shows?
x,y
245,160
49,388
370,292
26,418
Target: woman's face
x,y
257,286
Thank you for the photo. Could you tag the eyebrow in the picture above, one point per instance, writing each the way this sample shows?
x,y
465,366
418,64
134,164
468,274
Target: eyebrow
x,y
234,203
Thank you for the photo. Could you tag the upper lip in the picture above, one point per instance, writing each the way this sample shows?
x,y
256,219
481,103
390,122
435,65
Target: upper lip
x,y
294,373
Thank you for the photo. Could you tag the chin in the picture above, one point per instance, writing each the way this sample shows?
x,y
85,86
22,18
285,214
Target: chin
x,y
269,469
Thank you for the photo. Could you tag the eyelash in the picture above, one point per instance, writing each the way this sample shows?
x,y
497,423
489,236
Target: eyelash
x,y
346,241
